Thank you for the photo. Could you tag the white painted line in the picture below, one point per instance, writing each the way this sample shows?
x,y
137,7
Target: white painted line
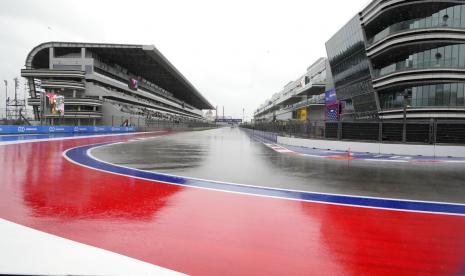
x,y
75,137
89,153
392,159
385,160
27,251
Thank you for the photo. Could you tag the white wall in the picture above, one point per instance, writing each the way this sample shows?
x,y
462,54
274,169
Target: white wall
x,y
376,148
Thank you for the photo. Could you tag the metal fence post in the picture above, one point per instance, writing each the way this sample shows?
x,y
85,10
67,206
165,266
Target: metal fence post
x,y
404,129
380,132
435,132
431,132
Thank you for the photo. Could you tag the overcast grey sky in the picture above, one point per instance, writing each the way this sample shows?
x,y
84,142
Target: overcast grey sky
x,y
236,53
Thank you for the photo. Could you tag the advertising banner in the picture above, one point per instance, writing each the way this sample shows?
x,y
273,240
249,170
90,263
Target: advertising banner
x,y
13,129
54,104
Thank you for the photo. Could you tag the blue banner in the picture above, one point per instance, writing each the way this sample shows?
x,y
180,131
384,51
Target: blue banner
x,y
330,97
13,129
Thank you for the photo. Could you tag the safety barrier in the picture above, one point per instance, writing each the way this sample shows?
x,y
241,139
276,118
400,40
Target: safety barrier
x,y
269,137
411,131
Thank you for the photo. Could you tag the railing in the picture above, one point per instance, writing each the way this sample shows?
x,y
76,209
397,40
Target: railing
x,y
52,73
316,99
152,88
415,132
71,101
320,99
413,25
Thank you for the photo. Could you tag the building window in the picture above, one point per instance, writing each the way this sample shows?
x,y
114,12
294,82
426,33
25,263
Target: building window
x,y
437,95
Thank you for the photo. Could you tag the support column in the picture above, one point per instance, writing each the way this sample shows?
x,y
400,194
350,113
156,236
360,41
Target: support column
x,y
51,56
83,56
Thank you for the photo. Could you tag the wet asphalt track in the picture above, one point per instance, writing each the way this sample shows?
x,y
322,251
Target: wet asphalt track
x,y
230,155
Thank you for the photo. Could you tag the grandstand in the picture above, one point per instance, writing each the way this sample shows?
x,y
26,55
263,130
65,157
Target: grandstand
x,y
109,84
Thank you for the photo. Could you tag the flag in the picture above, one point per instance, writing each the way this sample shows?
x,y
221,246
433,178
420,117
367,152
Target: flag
x,y
6,82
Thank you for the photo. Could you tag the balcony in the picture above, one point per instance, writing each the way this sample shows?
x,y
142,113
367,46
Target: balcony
x,y
416,24
49,73
71,101
408,65
392,42
419,76
143,84
83,114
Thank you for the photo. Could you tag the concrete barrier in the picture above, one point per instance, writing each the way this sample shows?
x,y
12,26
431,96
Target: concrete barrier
x,y
376,148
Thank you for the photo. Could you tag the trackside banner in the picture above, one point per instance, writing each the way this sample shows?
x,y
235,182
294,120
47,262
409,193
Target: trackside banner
x,y
12,129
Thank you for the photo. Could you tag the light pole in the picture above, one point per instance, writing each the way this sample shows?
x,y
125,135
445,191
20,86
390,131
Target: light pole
x,y
16,98
6,98
404,129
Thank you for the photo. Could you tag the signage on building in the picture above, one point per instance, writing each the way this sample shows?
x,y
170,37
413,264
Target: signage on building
x,y
302,114
229,121
330,97
133,84
332,112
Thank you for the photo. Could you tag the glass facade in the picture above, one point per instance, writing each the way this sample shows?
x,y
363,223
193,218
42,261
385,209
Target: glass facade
x,y
346,54
435,95
451,56
452,17
354,73
350,69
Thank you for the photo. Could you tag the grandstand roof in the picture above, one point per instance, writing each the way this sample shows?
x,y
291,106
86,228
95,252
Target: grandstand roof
x,y
142,60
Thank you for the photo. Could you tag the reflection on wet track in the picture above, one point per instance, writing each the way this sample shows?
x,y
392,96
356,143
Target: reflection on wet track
x,y
232,156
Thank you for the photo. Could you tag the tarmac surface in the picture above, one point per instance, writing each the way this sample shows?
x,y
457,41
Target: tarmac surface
x,y
64,211
231,155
